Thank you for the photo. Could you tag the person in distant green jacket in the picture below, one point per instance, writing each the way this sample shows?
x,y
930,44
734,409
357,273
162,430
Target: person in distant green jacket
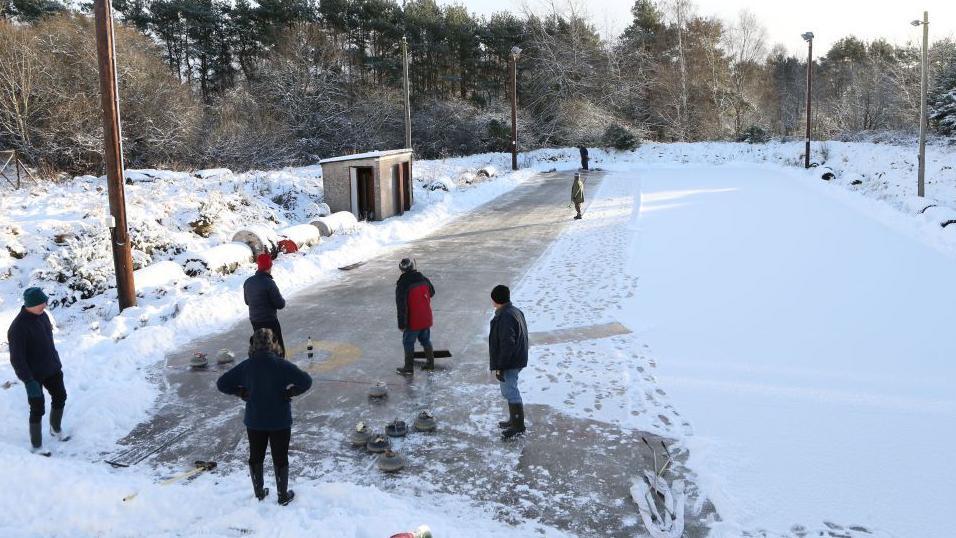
x,y
577,194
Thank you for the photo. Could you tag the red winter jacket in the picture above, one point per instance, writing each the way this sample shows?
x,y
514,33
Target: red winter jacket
x,y
413,293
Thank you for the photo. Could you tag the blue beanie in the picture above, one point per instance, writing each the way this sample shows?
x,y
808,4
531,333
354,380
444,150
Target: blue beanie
x,y
33,297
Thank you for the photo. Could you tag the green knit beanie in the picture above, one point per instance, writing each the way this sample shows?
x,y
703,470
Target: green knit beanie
x,y
33,297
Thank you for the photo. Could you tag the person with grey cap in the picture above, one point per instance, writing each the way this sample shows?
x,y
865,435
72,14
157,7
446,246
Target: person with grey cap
x,y
37,364
413,301
508,353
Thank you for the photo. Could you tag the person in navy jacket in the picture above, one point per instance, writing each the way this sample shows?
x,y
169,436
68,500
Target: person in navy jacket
x,y
413,301
267,383
36,362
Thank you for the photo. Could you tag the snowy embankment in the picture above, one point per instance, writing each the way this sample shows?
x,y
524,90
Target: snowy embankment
x,y
53,236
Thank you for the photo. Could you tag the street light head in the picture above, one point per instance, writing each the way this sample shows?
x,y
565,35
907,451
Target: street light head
x,y
916,23
807,36
516,50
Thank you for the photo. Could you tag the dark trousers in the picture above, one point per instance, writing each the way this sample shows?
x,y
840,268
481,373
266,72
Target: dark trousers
x,y
53,385
276,330
577,207
278,439
409,337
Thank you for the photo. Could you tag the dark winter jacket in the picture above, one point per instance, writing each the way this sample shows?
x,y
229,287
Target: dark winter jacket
x,y
32,353
263,297
413,293
508,339
268,384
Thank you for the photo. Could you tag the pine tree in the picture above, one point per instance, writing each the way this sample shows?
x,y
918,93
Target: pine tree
x,y
942,100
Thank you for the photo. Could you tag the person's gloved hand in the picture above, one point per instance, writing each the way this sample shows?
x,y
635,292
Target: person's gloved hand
x,y
500,376
34,390
244,394
290,392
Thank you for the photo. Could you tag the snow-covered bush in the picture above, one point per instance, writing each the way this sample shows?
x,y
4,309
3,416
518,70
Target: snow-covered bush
x,y
754,134
619,137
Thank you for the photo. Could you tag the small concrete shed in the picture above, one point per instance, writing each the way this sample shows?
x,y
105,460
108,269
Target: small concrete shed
x,y
372,186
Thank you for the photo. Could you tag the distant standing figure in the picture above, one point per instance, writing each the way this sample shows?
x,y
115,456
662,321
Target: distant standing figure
x,y
508,352
413,301
36,362
264,299
267,383
584,157
577,194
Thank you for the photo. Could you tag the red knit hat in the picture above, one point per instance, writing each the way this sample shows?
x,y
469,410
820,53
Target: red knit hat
x,y
264,261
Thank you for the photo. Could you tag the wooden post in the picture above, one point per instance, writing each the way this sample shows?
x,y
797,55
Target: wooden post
x,y
406,91
113,153
16,164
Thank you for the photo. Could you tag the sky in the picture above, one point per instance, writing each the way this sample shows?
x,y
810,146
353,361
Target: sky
x,y
829,20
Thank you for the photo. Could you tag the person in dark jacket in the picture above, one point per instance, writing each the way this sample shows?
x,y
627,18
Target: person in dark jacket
x,y
577,194
413,296
267,383
264,299
37,364
508,351
584,157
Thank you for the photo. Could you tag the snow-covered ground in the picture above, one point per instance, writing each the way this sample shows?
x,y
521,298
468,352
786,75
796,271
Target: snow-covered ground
x,y
793,335
790,333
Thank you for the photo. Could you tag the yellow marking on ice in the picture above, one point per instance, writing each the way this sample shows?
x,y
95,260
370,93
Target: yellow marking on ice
x,y
340,354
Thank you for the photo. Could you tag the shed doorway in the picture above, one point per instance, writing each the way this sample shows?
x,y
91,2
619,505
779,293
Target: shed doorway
x,y
363,192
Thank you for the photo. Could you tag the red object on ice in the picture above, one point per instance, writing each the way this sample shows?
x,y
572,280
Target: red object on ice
x,y
288,246
403,535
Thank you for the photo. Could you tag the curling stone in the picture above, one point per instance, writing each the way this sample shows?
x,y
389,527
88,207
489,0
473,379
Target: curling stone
x,y
396,428
425,422
377,444
360,435
378,390
225,356
199,360
391,461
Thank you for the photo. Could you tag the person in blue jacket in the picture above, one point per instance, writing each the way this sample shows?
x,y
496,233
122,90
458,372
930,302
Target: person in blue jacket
x,y
267,383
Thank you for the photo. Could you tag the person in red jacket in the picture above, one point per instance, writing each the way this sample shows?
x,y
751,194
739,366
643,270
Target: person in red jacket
x,y
413,299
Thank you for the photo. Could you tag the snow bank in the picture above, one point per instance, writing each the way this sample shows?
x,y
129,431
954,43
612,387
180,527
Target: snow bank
x,y
340,222
222,259
304,235
158,274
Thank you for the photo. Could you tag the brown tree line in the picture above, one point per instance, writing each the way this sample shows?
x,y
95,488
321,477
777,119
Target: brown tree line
x,y
282,82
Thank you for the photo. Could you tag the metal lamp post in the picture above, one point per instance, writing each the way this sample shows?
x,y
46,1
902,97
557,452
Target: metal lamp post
x,y
920,185
515,52
808,37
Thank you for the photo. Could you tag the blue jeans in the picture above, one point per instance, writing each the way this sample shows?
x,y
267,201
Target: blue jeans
x,y
408,339
509,387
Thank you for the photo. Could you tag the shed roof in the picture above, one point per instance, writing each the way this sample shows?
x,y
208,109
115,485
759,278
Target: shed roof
x,y
367,155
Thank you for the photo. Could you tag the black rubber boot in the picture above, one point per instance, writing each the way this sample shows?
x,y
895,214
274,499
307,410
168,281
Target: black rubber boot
x,y
282,484
409,368
429,359
256,471
36,439
517,421
504,424
56,425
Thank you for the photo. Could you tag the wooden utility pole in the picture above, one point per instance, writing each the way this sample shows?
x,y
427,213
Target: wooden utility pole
x,y
515,51
405,89
924,68
808,37
113,154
